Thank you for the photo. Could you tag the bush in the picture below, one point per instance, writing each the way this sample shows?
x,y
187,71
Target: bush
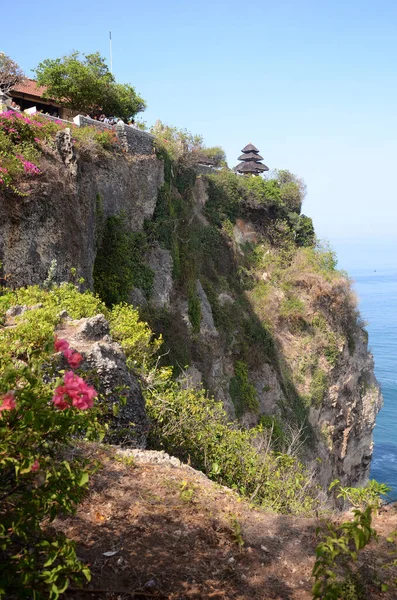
x,y
335,556
135,336
318,387
21,139
119,263
242,392
194,309
195,428
38,477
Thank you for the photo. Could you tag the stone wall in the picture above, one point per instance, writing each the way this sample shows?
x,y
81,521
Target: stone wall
x,y
131,139
134,140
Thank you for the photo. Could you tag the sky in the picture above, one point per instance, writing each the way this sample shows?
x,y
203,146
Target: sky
x,y
313,84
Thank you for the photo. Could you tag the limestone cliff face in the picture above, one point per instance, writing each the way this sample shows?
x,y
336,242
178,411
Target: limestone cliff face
x,y
345,420
59,219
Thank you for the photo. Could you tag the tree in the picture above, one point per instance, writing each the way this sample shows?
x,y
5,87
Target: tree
x,y
293,190
86,85
10,73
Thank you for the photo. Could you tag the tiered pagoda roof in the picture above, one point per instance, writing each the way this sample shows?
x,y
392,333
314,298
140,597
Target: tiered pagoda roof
x,y
250,161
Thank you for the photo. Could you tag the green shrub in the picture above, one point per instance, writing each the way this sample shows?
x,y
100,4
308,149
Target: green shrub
x,y
35,327
318,387
242,392
39,479
194,310
362,497
135,336
336,555
273,425
292,310
119,263
195,428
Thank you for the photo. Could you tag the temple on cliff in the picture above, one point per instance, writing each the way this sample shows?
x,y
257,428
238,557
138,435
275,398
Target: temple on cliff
x,y
250,161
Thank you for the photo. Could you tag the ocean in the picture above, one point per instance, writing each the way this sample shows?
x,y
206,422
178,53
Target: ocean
x,y
377,292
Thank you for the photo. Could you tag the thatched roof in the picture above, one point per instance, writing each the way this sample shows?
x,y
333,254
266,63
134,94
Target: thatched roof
x,y
250,148
251,167
250,156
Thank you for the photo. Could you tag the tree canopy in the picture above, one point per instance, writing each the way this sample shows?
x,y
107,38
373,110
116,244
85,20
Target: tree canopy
x,y
10,73
85,84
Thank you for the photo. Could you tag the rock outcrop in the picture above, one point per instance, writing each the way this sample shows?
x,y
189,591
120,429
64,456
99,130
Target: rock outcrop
x,y
105,363
346,418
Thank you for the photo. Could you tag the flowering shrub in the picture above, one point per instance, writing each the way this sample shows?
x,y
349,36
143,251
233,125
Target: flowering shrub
x,y
23,140
38,478
20,147
90,141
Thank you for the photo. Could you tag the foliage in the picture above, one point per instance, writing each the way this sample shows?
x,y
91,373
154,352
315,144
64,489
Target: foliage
x,y
273,425
86,85
10,73
194,309
224,197
332,569
91,142
363,497
35,327
25,139
20,140
179,144
39,479
119,263
195,428
318,387
135,336
292,190
216,153
292,309
242,392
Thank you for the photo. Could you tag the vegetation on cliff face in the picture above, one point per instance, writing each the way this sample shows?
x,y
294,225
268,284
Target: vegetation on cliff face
x,y
27,143
276,299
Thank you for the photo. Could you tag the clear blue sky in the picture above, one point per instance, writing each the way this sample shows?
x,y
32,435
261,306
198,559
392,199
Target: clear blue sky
x,y
312,83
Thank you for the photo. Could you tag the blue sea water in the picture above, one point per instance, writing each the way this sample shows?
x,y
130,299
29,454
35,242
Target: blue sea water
x,y
377,292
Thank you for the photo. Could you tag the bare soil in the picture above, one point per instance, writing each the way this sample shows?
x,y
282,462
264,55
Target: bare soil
x,y
161,531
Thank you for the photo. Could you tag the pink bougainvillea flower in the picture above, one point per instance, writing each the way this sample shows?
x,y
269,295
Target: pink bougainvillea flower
x,y
73,358
8,402
74,390
59,398
35,466
61,345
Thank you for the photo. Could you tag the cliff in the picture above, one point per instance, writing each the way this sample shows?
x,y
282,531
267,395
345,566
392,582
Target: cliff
x,y
230,276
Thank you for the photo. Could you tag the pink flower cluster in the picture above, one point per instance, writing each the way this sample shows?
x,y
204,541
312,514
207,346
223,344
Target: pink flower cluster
x,y
74,391
28,166
3,170
73,358
8,402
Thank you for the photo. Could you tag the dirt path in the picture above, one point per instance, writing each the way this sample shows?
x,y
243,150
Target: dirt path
x,y
162,531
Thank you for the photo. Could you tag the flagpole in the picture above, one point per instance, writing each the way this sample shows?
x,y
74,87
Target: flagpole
x,y
111,58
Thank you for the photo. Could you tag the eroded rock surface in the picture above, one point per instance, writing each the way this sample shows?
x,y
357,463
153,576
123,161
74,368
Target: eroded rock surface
x,y
104,358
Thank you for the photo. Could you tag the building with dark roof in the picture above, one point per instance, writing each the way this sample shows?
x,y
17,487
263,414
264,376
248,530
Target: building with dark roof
x,y
29,94
250,161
